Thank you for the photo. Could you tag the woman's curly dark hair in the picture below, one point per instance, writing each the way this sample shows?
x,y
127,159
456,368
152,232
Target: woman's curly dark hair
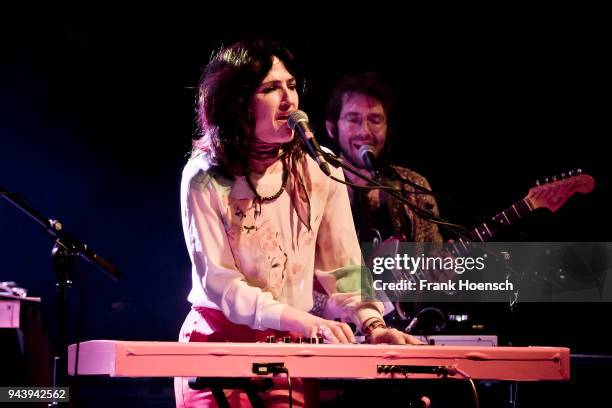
x,y
228,82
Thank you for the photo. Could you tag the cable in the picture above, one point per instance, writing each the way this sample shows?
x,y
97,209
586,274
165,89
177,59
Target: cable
x,y
286,371
365,187
402,371
417,317
275,368
473,386
513,393
421,212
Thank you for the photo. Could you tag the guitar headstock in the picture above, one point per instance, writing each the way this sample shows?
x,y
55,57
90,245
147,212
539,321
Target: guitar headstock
x,y
553,193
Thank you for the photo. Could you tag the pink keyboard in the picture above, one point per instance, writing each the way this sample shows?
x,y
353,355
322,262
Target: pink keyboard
x,y
367,361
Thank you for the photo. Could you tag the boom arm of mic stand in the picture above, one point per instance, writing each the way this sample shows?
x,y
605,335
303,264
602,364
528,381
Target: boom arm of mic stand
x,y
55,229
428,215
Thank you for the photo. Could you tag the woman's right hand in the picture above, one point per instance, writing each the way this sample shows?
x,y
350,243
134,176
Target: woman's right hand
x,y
309,325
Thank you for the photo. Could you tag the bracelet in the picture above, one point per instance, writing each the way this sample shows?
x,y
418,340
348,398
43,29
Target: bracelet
x,y
364,325
370,325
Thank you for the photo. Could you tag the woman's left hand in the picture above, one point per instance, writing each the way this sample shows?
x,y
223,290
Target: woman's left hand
x,y
392,336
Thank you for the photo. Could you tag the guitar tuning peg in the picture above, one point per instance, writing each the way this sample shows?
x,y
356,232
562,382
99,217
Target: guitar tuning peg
x,y
571,173
546,180
579,171
537,182
562,175
554,178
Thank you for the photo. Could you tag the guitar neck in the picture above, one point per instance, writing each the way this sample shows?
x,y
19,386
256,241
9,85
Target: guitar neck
x,y
487,230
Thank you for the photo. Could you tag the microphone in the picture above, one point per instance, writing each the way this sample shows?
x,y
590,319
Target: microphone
x,y
298,121
366,153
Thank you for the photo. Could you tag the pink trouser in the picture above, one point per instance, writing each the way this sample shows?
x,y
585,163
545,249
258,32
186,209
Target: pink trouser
x,y
204,324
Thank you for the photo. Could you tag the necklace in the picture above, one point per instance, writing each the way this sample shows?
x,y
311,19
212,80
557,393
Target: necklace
x,y
261,199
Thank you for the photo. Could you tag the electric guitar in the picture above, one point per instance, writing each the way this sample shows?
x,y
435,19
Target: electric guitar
x,y
551,194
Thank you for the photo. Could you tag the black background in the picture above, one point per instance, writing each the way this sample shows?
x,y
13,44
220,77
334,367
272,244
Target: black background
x,y
97,115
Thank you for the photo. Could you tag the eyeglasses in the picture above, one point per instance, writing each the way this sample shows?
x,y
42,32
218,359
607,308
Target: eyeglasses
x,y
375,121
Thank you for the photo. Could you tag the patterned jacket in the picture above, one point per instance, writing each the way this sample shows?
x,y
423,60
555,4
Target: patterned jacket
x,y
419,229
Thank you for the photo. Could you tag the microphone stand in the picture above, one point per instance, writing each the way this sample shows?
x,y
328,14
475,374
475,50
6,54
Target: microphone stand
x,y
65,253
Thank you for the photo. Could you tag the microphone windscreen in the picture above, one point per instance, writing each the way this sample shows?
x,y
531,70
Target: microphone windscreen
x,y
295,118
366,148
